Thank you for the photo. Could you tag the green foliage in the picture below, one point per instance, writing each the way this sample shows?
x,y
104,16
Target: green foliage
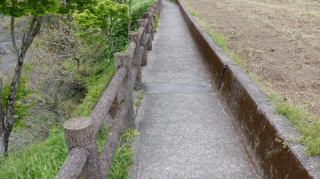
x,y
102,16
107,17
156,21
308,125
96,83
79,5
138,8
123,156
44,160
37,160
101,71
138,96
102,135
17,8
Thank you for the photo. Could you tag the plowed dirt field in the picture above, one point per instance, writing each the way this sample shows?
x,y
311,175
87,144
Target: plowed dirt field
x,y
278,41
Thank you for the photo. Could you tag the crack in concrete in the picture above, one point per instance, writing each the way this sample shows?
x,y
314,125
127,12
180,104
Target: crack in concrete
x,y
169,88
221,77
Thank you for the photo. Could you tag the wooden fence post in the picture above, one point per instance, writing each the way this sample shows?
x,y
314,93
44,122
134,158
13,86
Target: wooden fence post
x,y
80,132
149,29
126,88
136,61
158,4
141,23
151,11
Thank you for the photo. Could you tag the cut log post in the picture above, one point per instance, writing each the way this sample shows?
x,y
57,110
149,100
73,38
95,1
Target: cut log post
x,y
149,30
158,7
99,113
141,23
151,11
154,6
1,111
149,42
109,147
1,118
74,163
80,132
126,88
136,61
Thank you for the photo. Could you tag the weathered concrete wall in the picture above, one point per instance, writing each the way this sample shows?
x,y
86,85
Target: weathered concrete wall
x,y
263,131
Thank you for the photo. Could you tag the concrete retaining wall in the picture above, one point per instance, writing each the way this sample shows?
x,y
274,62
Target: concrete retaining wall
x,y
263,131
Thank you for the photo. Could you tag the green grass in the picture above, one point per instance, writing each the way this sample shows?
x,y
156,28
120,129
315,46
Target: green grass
x,y
307,124
97,81
138,8
96,84
156,22
138,97
36,161
123,156
44,160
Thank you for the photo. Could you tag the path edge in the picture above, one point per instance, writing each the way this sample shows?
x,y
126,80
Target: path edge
x,y
251,112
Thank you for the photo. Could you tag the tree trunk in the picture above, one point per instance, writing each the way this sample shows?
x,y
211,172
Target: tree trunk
x,y
27,40
1,116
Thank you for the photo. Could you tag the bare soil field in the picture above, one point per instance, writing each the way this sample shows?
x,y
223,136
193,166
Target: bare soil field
x,y
278,41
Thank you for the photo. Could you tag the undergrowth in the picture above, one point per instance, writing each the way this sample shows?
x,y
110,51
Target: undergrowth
x,y
37,160
96,84
44,160
307,124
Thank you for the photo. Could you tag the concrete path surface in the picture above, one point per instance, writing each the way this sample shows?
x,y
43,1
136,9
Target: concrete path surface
x,y
184,130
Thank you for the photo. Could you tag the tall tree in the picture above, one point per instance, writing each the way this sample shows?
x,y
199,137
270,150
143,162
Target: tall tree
x,y
1,110
129,3
37,10
106,17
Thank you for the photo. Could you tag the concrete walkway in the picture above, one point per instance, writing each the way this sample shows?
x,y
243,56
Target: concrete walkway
x,y
184,130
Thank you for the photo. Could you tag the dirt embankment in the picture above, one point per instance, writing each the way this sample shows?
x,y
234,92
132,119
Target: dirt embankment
x,y
278,40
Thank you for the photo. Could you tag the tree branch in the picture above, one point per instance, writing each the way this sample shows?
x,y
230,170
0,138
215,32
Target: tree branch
x,y
9,112
13,37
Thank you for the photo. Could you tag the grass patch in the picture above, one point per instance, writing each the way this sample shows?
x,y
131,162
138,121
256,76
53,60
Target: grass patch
x,y
307,124
96,83
138,97
123,156
138,8
37,160
44,160
156,22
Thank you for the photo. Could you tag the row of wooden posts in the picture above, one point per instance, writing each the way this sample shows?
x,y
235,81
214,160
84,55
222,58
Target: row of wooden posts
x,y
83,160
